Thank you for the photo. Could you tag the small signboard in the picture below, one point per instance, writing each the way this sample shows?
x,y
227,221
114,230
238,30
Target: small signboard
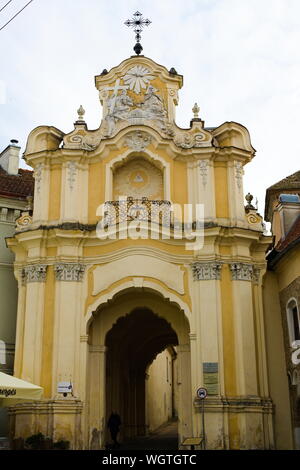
x,y
64,387
192,441
211,377
201,393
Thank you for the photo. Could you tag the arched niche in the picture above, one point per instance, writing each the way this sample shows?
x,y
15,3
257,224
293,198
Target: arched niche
x,y
138,174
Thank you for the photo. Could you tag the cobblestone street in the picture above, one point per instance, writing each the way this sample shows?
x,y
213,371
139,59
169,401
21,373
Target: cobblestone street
x,y
165,438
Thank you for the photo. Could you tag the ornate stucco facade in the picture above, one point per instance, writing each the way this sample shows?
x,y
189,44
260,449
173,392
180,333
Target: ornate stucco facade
x,y
96,310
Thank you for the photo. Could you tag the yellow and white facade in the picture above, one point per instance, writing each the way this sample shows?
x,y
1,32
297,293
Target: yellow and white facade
x,y
95,311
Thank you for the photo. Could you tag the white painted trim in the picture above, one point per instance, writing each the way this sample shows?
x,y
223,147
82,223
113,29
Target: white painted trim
x,y
290,323
173,298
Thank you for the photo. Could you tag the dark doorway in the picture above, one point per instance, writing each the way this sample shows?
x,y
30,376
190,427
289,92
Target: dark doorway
x,y
132,344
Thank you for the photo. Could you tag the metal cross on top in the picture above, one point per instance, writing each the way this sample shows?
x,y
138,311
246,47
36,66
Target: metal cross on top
x,y
137,23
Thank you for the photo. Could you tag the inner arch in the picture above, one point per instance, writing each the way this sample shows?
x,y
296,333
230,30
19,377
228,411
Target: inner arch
x,y
132,344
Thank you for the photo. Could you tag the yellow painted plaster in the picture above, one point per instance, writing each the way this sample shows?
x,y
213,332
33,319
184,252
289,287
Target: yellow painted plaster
x,y
221,189
179,190
256,337
289,268
225,250
96,190
122,244
234,433
52,251
228,332
55,192
46,375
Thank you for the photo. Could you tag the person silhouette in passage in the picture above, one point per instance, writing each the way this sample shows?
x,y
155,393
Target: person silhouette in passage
x,y
113,425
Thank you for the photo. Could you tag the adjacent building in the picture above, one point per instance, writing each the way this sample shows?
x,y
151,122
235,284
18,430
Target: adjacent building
x,y
283,301
16,186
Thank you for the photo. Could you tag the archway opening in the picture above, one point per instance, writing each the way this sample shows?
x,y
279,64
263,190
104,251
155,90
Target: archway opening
x,y
136,382
126,333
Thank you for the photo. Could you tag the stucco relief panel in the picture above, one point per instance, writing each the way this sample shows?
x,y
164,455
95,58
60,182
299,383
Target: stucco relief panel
x,y
138,178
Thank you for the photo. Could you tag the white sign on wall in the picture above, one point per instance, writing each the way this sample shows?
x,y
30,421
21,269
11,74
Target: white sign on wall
x,y
64,387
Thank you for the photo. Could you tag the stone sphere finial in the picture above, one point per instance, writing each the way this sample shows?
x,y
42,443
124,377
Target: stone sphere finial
x,y
196,111
249,199
81,113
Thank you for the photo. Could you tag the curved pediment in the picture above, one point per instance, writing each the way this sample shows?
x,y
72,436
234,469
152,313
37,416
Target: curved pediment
x,y
138,92
43,138
233,134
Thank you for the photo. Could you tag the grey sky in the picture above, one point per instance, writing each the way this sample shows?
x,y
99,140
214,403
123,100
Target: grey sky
x,y
239,59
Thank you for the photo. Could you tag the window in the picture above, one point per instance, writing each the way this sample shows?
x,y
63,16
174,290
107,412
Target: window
x,y
293,321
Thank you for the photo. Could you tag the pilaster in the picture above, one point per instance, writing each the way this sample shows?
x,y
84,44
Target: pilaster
x,y
96,420
34,277
201,186
245,338
74,197
184,392
68,308
236,192
41,193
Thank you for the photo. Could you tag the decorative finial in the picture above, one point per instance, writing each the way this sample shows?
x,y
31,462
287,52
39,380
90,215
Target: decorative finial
x,y
137,23
81,113
196,111
249,199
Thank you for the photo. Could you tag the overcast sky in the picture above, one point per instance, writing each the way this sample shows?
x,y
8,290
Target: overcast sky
x,y
239,59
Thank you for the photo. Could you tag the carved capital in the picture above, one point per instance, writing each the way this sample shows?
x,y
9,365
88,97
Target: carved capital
x,y
69,272
206,271
241,272
34,273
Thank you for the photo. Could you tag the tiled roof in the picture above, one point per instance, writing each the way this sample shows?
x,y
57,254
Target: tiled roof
x,y
293,235
289,184
16,186
283,246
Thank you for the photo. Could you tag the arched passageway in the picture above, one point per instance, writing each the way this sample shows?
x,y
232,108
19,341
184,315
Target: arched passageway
x,y
125,335
132,344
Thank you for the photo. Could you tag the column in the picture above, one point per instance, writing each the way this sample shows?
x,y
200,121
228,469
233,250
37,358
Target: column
x,y
250,419
97,394
41,192
68,309
236,193
206,296
269,442
140,403
20,324
246,373
34,277
184,392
